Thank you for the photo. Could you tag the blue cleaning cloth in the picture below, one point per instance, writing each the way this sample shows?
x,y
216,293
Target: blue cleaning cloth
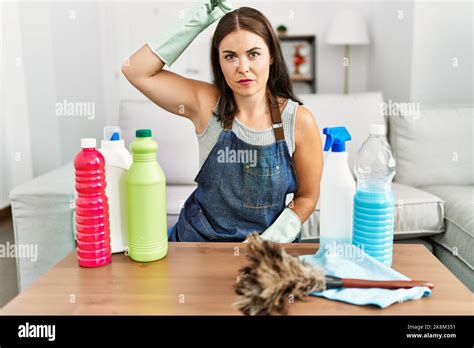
x,y
349,261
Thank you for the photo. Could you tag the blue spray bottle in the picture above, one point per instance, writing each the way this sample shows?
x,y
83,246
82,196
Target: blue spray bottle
x,y
337,190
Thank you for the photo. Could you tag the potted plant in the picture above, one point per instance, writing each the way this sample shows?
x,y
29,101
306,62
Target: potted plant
x,y
281,30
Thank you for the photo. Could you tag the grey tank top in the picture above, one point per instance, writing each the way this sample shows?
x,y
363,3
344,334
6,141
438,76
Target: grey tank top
x,y
208,138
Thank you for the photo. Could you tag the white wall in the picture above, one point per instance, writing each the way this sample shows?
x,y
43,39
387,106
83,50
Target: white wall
x,y
390,58
142,21
76,38
416,46
442,52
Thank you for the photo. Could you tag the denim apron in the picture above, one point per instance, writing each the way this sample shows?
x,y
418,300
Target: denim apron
x,y
236,196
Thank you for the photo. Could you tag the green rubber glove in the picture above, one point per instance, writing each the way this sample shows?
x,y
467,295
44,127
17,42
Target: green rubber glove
x,y
285,229
171,44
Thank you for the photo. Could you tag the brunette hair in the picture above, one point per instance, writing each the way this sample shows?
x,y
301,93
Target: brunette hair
x,y
279,83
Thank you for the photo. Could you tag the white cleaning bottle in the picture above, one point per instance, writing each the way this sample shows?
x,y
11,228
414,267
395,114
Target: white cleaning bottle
x,y
117,162
337,190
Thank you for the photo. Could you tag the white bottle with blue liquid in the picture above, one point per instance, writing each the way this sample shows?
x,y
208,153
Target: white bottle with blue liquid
x,y
373,202
337,190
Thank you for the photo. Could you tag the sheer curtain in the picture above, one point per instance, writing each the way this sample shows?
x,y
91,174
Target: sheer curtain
x,y
15,149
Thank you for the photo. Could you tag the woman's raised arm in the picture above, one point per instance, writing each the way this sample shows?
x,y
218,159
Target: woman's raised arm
x,y
177,94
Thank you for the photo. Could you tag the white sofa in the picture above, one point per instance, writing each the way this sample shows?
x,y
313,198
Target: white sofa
x,y
43,208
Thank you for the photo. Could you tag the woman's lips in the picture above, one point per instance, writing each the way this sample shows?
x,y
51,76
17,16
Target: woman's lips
x,y
245,82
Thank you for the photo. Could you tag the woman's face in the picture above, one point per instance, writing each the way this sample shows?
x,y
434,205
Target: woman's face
x,y
245,62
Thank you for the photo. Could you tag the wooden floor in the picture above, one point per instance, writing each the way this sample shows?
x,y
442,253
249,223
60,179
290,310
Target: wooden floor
x,y
8,280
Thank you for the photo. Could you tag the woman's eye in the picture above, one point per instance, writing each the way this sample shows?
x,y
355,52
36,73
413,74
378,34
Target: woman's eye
x,y
229,57
254,54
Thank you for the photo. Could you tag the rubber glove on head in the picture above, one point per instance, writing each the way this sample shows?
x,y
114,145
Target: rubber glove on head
x,y
172,43
285,229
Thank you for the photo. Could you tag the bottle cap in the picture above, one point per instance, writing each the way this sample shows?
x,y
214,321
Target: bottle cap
x,y
112,133
143,133
377,129
88,143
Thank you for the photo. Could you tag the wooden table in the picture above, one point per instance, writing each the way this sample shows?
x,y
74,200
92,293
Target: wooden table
x,y
197,278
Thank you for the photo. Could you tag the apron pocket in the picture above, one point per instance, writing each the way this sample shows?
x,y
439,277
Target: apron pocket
x,y
197,228
263,185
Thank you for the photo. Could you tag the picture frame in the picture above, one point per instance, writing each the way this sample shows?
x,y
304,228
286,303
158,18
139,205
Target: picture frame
x,y
299,52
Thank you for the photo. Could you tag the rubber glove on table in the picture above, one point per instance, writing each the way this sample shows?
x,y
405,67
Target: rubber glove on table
x,y
172,43
285,229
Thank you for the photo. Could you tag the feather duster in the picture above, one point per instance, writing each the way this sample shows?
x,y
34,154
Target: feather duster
x,y
273,278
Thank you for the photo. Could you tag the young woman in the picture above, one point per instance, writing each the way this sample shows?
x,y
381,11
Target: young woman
x,y
250,113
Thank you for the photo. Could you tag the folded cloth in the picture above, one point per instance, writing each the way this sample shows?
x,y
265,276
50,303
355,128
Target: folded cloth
x,y
349,261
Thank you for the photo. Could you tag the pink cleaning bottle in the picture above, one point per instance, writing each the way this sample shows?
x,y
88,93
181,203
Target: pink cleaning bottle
x,y
92,209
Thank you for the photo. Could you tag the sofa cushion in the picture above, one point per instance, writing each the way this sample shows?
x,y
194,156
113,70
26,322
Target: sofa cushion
x,y
178,152
355,111
176,195
417,213
459,215
434,146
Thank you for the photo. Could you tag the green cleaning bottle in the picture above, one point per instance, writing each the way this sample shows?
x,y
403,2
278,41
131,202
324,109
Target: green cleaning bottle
x,y
145,190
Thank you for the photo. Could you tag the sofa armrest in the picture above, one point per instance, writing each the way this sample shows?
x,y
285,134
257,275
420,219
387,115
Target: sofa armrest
x,y
43,213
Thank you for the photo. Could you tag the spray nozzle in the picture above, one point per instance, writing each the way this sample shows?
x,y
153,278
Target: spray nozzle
x,y
336,138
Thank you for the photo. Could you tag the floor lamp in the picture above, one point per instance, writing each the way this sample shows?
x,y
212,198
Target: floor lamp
x,y
346,29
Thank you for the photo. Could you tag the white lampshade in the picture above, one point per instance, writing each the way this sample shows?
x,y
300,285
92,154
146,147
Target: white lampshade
x,y
348,28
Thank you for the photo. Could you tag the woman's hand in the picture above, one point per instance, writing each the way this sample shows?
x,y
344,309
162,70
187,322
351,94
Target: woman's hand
x,y
224,5
171,43
285,229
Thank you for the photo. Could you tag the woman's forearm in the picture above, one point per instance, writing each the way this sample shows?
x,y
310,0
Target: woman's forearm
x,y
303,206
